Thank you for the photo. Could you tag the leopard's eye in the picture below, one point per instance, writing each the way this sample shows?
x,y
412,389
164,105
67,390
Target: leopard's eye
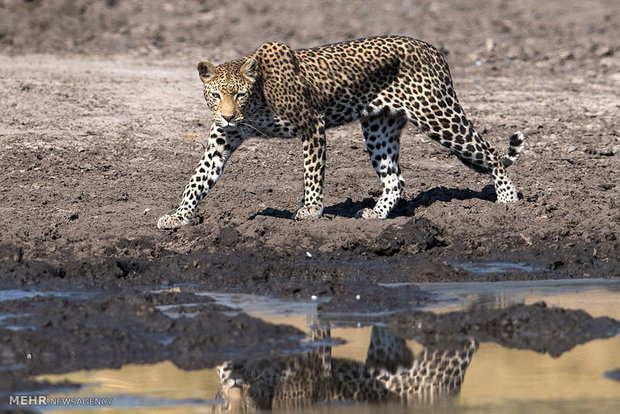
x,y
241,95
215,95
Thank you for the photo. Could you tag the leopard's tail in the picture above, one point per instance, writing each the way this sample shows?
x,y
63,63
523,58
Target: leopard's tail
x,y
517,143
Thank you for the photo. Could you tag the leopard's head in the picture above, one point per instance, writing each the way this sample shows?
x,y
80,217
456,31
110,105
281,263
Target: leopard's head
x,y
233,396
230,89
239,393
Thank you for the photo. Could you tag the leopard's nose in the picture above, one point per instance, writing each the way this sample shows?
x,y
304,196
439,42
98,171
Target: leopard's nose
x,y
235,382
228,117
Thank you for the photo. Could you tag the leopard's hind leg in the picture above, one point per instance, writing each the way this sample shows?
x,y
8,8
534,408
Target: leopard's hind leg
x,y
439,115
382,135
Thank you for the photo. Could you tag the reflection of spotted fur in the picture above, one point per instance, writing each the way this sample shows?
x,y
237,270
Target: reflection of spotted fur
x,y
391,372
382,81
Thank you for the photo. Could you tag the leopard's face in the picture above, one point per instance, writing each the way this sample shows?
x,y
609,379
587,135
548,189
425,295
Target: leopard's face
x,y
234,394
229,90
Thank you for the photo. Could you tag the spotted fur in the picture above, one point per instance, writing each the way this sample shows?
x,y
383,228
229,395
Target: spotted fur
x,y
381,81
391,373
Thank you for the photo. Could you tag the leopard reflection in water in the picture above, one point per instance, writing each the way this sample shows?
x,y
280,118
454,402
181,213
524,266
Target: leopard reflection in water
x,y
391,372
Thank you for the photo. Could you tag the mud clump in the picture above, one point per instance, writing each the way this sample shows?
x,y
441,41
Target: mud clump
x,y
55,335
375,300
535,327
415,236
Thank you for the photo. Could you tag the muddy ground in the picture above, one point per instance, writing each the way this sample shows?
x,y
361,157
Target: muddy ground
x,y
102,121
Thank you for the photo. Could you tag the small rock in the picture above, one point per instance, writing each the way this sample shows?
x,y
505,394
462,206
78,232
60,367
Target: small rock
x,y
603,51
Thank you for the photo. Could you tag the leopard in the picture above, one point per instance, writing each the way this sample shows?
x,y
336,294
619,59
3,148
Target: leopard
x,y
382,81
390,373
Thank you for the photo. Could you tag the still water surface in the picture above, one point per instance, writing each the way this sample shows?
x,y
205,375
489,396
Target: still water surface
x,y
498,379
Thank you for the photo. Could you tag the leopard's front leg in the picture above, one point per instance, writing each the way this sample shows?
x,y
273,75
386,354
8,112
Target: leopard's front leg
x,y
314,148
220,145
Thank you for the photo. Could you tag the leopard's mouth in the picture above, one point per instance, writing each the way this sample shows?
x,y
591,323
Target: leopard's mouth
x,y
225,123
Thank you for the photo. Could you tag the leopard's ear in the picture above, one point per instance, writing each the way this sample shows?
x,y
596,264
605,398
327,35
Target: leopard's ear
x,y
250,68
206,70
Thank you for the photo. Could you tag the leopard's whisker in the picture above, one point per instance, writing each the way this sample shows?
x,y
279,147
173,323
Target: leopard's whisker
x,y
254,128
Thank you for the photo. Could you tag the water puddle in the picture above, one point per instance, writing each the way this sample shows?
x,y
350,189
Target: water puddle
x,y
455,374
18,294
598,297
8,321
489,268
11,321
160,387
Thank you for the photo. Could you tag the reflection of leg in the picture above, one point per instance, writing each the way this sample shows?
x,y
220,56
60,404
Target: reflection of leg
x,y
321,333
382,135
441,372
387,351
220,146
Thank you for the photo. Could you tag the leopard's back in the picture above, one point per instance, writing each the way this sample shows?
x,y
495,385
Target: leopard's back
x,y
348,77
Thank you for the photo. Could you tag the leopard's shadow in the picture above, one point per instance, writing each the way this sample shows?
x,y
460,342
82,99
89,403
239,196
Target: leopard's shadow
x,y
428,197
348,208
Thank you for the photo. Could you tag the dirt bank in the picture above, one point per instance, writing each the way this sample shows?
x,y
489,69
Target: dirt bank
x,y
102,121
99,137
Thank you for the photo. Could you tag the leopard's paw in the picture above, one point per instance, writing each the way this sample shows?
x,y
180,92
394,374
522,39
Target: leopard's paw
x,y
367,213
305,212
507,193
171,221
